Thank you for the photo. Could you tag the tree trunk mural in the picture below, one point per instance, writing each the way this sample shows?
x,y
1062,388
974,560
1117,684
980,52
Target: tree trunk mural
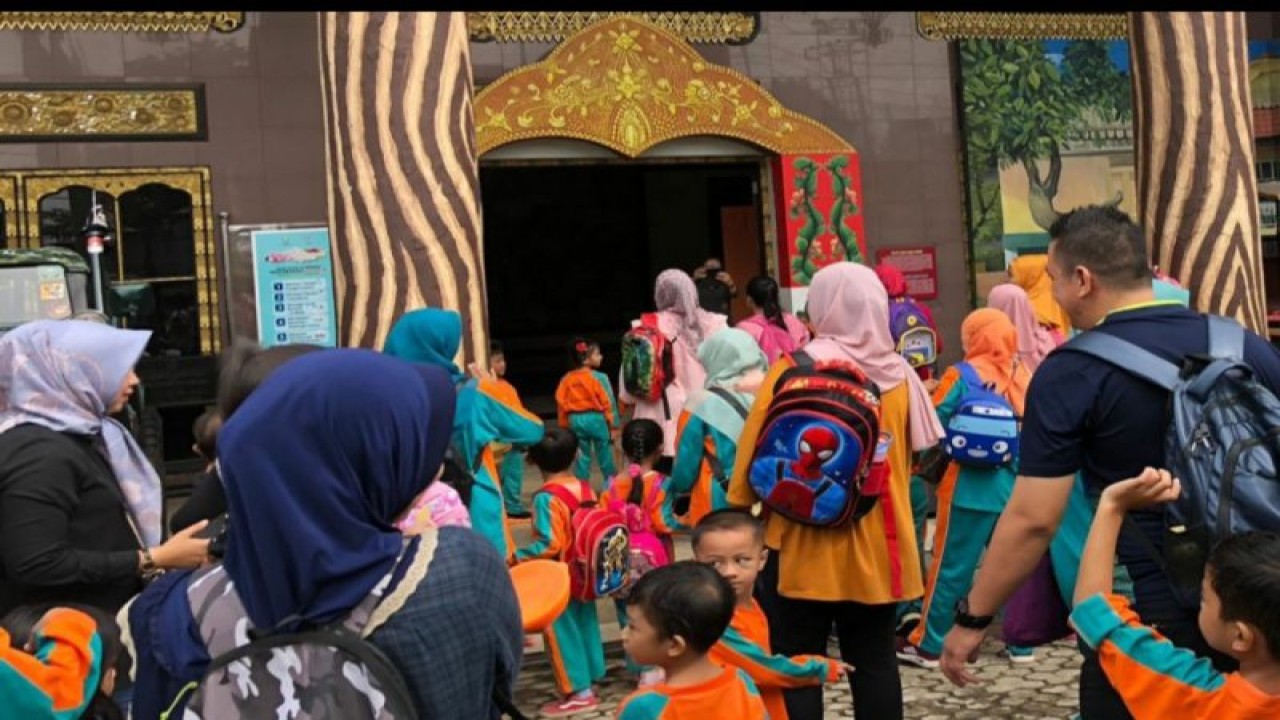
x,y
403,187
1195,151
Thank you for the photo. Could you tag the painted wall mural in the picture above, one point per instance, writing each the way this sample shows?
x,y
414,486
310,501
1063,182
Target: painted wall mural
x,y
1048,127
820,214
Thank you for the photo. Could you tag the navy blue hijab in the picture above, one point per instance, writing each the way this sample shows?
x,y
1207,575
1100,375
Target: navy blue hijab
x,y
318,463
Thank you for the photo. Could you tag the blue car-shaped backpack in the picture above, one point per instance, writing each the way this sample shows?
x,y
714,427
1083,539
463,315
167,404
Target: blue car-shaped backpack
x,y
983,431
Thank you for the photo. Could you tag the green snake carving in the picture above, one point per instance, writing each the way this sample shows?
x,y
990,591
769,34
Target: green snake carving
x,y
802,265
846,205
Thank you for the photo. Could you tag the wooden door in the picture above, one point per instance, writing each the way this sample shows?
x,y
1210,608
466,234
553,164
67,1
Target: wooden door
x,y
743,257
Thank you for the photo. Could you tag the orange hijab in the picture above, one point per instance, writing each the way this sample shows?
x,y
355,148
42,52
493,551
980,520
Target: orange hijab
x,y
991,347
1028,271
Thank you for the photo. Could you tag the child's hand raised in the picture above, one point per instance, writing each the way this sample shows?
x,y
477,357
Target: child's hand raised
x,y
1150,487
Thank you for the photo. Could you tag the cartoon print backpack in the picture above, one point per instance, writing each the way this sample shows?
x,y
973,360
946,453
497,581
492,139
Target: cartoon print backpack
x,y
647,551
913,337
599,551
811,462
983,431
1222,442
647,362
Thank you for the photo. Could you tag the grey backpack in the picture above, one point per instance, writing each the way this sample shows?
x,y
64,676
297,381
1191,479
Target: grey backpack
x,y
1222,443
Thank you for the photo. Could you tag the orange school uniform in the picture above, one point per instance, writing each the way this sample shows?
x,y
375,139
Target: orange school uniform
x,y
1157,679
745,646
582,391
877,555
729,696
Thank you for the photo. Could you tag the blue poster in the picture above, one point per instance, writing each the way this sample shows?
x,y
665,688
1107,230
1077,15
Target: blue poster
x,y
293,281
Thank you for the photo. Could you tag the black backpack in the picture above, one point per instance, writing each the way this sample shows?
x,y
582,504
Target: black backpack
x,y
1222,443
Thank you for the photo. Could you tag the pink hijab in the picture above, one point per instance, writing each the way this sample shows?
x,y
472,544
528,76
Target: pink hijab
x,y
1034,341
849,310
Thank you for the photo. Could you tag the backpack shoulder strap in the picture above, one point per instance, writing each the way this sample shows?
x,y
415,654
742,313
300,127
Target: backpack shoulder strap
x,y
1128,357
733,401
970,376
564,495
1226,338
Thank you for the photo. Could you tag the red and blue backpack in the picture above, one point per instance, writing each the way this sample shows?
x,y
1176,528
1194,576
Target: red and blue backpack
x,y
812,459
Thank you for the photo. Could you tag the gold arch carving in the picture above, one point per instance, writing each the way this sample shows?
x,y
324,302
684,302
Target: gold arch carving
x,y
628,84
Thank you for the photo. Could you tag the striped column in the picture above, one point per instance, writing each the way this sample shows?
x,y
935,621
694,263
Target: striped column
x,y
403,187
1196,184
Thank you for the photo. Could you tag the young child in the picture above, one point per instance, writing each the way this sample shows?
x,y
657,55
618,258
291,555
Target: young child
x,y
587,406
1238,617
443,503
573,641
510,459
675,615
205,431
970,497
640,494
54,669
732,542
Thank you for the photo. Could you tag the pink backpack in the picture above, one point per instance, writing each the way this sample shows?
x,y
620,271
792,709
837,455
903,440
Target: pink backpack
x,y
774,341
647,549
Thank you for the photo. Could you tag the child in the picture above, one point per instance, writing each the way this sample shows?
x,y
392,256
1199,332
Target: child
x,y
443,503
675,615
713,418
586,405
970,498
54,669
509,458
732,542
1238,617
205,431
640,495
573,641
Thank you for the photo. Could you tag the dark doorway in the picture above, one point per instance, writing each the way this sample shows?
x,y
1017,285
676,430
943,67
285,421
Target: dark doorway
x,y
573,250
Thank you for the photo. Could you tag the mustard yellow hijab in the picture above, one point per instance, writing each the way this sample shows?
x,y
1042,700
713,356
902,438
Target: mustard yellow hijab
x,y
1028,272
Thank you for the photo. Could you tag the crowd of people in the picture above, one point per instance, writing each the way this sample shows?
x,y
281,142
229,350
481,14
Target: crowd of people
x,y
349,552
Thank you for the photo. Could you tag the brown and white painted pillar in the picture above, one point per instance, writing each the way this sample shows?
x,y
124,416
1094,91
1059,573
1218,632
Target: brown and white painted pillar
x,y
404,203
1195,151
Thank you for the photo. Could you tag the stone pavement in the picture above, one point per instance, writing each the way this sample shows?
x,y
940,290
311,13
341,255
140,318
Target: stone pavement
x,y
1035,691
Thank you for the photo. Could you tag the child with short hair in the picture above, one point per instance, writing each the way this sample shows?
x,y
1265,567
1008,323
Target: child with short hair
x,y
205,431
1239,616
586,405
640,495
508,458
675,615
732,542
54,669
573,641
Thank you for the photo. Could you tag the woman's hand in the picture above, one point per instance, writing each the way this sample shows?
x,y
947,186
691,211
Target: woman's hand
x,y
183,550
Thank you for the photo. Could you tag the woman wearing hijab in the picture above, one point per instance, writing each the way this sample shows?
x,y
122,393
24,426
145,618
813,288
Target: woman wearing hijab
x,y
970,499
80,505
485,414
852,575
1035,342
685,325
713,418
316,502
1029,273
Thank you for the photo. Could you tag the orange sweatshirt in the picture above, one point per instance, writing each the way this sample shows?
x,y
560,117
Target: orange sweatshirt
x,y
585,390
729,696
745,646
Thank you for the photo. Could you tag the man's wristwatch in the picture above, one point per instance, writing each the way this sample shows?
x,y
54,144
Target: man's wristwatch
x,y
972,622
147,568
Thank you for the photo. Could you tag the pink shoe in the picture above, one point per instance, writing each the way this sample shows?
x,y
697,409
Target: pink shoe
x,y
571,705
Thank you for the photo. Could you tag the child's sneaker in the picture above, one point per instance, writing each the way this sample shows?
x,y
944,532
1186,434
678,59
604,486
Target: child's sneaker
x,y
1018,655
572,705
913,655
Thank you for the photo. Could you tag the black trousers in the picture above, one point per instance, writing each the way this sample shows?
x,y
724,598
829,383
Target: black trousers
x,y
865,632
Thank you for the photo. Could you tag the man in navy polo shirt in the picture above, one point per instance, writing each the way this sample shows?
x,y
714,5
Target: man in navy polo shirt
x,y
1088,416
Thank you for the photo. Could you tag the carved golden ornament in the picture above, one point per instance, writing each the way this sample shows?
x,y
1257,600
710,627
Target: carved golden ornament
x,y
695,27
123,21
629,84
1023,26
30,113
